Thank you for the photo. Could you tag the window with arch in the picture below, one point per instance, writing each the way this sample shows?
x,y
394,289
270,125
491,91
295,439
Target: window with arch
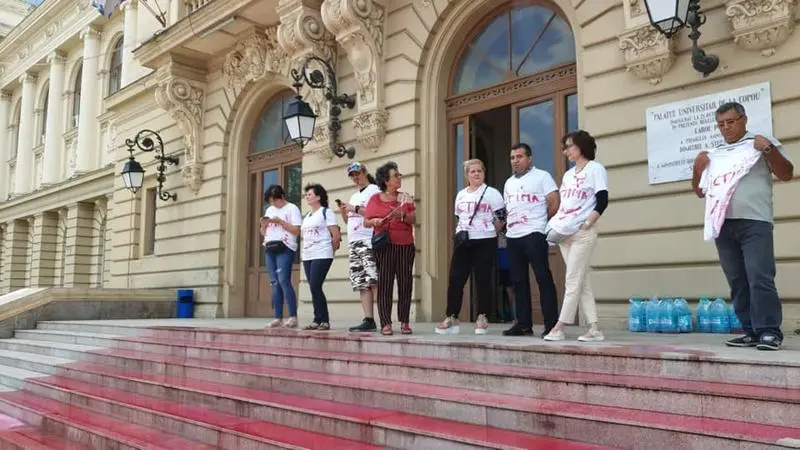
x,y
76,97
521,40
270,132
115,68
43,108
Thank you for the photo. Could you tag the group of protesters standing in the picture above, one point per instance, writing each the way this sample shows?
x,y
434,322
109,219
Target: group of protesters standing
x,y
533,213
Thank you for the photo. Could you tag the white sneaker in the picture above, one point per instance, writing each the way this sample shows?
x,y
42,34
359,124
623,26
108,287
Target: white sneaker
x,y
274,324
291,322
593,335
448,326
482,324
555,335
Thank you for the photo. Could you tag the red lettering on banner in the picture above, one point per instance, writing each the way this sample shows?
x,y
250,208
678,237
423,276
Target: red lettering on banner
x,y
727,176
574,193
470,206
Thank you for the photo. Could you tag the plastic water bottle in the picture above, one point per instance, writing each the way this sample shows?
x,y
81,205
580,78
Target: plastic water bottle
x,y
704,315
637,317
720,322
668,316
736,325
651,314
684,315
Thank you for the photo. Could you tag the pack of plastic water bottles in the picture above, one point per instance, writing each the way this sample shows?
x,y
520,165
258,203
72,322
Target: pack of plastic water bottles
x,y
674,315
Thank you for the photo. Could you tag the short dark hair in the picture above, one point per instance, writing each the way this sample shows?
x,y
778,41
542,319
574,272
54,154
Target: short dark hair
x,y
319,191
523,146
274,192
584,141
730,106
383,174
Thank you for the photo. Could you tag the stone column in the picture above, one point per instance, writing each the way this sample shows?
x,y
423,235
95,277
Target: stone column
x,y
86,158
45,237
23,181
129,70
53,139
175,11
15,255
5,153
78,257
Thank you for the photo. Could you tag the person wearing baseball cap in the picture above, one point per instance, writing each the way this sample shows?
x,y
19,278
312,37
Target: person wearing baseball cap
x,y
363,270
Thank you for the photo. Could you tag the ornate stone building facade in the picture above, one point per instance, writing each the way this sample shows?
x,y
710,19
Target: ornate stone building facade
x,y
436,81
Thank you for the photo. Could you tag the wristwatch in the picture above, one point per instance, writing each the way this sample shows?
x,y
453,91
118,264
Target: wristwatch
x,y
769,148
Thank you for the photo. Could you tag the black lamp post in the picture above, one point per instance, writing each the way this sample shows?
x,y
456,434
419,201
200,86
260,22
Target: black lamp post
x,y
300,118
133,173
669,16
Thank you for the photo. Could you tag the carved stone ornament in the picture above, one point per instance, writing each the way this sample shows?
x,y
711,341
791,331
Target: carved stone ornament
x,y
319,144
183,100
359,28
637,7
761,25
301,33
423,3
255,57
648,53
370,127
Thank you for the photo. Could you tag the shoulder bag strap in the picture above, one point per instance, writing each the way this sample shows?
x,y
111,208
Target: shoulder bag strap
x,y
477,205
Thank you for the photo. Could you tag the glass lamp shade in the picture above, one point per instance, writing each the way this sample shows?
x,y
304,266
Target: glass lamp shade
x,y
668,16
300,120
133,175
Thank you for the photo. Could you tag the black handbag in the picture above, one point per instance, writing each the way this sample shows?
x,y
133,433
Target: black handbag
x,y
275,247
380,240
462,237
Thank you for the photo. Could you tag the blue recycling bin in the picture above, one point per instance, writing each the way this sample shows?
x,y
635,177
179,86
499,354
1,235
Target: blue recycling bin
x,y
185,304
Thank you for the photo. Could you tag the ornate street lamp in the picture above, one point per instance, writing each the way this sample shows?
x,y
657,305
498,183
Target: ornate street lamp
x,y
133,173
669,16
300,118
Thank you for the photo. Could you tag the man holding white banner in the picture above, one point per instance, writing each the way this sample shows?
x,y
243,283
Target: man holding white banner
x,y
737,177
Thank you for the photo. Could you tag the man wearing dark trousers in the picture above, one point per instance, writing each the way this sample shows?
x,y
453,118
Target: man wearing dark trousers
x,y
531,198
745,238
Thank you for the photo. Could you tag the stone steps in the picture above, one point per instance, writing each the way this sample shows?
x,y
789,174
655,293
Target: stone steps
x,y
374,382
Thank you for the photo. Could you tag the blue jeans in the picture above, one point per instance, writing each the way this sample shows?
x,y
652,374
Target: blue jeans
x,y
747,256
279,267
316,272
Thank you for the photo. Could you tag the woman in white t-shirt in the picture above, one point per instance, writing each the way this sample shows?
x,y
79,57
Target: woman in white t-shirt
x,y
584,197
280,227
480,210
321,237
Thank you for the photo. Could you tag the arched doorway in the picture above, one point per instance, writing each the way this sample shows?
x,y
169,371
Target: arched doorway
x,y
513,81
272,158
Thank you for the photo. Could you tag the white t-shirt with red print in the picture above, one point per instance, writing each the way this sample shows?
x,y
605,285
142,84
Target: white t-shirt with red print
x,y
355,222
526,202
290,214
578,200
317,239
727,166
483,224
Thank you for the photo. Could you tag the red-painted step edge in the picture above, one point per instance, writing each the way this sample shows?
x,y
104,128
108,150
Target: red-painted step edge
x,y
30,438
113,429
788,395
687,424
442,428
273,433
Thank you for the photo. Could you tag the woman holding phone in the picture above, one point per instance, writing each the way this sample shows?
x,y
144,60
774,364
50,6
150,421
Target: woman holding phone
x,y
280,227
392,214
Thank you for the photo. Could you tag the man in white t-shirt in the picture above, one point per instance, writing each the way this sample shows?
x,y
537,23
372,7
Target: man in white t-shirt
x,y
363,270
531,197
745,241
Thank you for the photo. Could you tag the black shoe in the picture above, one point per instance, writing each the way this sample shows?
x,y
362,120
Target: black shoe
x,y
769,342
517,330
742,341
366,325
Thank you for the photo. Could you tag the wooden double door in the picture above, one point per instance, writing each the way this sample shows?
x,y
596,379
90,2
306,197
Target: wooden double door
x,y
279,166
487,132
